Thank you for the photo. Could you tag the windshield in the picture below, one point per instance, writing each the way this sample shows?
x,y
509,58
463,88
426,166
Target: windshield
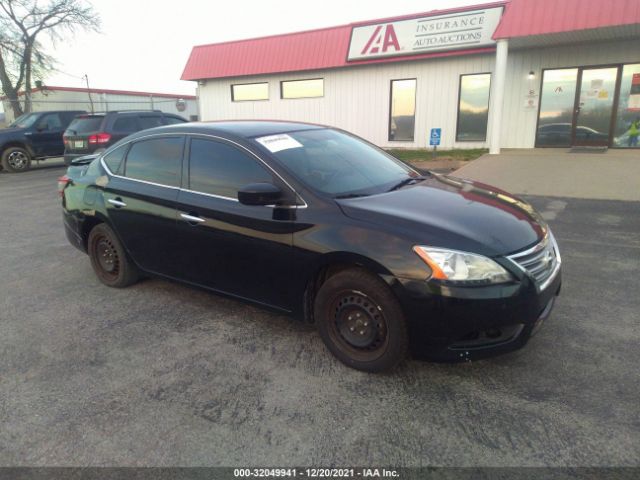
x,y
85,125
335,163
25,120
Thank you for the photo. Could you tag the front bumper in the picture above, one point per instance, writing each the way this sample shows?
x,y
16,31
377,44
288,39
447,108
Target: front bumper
x,y
468,323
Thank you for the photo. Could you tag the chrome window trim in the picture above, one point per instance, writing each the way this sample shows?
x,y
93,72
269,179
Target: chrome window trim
x,y
190,135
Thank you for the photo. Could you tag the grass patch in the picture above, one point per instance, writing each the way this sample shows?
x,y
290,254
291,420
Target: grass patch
x,y
423,154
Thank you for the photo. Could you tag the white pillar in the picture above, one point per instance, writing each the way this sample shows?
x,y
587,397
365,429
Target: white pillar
x,y
497,95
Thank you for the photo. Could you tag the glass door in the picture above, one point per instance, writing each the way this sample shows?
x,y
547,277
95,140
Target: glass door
x,y
593,117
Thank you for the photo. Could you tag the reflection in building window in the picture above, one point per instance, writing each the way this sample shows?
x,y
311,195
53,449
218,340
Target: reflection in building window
x,y
250,91
473,108
627,129
556,107
302,88
403,110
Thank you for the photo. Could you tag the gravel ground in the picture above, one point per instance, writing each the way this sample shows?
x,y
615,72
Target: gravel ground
x,y
163,374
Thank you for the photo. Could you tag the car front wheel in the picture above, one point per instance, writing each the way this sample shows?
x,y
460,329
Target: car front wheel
x,y
108,258
361,321
15,160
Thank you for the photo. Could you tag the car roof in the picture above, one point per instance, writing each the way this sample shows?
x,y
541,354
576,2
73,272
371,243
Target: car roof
x,y
235,128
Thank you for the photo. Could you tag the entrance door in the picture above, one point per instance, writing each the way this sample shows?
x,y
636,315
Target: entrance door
x,y
594,106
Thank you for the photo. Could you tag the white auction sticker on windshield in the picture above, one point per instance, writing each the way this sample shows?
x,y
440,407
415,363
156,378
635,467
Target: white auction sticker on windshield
x,y
276,143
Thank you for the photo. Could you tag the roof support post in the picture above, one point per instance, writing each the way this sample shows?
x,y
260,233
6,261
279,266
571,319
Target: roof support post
x,y
497,95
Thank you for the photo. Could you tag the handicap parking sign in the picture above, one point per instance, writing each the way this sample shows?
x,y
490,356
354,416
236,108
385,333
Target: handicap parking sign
x,y
434,139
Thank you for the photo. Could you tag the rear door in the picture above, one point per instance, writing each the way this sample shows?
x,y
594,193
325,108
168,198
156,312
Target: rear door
x,y
238,249
141,200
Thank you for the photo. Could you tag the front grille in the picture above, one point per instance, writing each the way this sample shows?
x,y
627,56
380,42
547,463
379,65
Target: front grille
x,y
541,261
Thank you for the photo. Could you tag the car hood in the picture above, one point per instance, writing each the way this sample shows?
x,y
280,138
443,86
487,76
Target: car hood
x,y
449,212
12,131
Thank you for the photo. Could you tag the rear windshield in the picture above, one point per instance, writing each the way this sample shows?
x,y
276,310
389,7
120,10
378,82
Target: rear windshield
x,y
85,125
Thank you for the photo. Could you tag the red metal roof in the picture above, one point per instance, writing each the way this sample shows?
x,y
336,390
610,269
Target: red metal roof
x,y
102,90
309,50
328,47
538,17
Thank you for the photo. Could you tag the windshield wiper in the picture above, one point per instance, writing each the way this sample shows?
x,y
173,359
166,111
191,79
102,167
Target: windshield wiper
x,y
351,195
407,181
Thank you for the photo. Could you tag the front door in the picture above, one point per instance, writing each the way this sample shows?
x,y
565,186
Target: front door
x,y
237,249
594,106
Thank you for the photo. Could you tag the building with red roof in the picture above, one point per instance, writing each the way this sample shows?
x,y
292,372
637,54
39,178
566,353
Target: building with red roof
x,y
518,73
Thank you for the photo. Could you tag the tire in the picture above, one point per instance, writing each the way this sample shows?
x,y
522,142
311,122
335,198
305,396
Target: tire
x,y
16,160
108,258
361,321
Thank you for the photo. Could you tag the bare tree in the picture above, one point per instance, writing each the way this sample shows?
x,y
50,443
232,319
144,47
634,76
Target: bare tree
x,y
22,24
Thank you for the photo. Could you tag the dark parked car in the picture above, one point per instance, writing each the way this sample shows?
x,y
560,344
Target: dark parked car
x,y
33,136
319,223
94,133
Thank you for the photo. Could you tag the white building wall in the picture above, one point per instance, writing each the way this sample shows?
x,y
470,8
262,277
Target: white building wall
x,y
357,98
102,102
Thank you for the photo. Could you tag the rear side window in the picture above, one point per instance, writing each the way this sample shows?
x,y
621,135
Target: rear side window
x,y
220,169
150,122
51,122
158,160
173,120
114,159
126,124
85,125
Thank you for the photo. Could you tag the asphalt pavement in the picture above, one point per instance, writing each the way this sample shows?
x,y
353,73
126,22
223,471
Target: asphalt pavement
x,y
163,374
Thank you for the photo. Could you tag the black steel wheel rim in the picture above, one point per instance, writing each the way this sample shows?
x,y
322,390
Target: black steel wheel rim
x,y
107,257
358,326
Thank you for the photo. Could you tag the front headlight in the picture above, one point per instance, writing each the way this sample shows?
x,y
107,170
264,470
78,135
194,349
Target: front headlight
x,y
462,267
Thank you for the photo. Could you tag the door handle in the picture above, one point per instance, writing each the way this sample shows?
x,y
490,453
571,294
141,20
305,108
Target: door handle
x,y
191,218
117,202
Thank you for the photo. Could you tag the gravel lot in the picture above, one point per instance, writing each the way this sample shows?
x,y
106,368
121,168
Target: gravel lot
x,y
162,374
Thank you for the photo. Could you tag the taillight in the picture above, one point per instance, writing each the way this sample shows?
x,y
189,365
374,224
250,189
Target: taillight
x,y
65,140
63,181
99,138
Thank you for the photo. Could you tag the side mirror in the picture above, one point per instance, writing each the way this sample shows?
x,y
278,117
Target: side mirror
x,y
259,194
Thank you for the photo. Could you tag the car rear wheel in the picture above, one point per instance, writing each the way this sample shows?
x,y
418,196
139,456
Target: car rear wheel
x,y
15,160
108,258
361,321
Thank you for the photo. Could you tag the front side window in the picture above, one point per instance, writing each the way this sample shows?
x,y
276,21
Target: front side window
x,y
220,169
336,163
473,107
158,160
402,114
249,91
302,88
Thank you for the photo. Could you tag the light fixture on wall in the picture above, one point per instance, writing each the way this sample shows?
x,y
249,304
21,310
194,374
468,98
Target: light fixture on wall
x,y
532,75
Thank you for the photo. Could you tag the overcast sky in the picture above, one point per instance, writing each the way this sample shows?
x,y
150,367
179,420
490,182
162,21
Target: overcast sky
x,y
145,45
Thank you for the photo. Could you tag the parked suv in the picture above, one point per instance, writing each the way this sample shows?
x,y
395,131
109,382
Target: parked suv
x,y
94,133
33,136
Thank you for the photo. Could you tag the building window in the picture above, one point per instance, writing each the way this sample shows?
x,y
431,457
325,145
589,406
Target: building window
x,y
627,130
402,111
473,107
249,91
302,88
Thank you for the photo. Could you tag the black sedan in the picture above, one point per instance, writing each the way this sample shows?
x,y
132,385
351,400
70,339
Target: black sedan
x,y
316,222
